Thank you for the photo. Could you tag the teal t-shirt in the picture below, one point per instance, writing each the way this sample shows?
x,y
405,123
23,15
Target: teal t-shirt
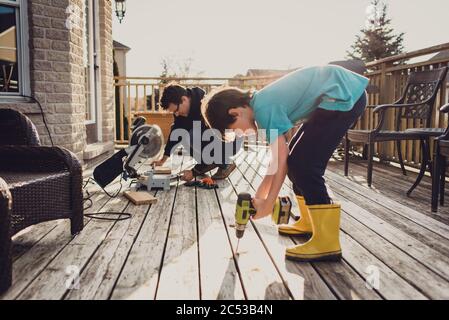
x,y
293,97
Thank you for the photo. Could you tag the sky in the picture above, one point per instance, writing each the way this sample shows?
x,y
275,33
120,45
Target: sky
x,y
226,37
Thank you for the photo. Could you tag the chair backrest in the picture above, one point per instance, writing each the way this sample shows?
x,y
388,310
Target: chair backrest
x,y
422,87
17,129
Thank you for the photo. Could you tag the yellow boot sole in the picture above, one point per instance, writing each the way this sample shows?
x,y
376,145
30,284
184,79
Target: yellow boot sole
x,y
293,233
327,256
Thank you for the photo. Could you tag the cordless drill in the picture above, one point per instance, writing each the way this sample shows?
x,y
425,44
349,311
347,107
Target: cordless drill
x,y
245,209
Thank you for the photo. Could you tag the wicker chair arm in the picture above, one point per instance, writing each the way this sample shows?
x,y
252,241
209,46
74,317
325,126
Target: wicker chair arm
x,y
38,159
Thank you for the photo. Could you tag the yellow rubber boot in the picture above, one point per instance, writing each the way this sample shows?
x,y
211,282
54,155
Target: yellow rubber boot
x,y
300,228
325,241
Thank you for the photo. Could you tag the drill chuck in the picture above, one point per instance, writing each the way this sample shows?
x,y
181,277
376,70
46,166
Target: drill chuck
x,y
239,230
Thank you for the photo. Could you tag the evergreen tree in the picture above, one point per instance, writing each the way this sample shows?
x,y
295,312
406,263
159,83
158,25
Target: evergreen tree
x,y
377,39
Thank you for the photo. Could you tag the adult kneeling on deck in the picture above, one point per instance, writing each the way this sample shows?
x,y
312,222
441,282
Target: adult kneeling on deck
x,y
185,104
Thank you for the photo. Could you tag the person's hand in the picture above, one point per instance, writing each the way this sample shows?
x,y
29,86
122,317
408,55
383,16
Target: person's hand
x,y
159,162
263,208
187,175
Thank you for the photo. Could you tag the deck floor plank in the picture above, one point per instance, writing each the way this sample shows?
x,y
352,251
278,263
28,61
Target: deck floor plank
x,y
182,247
260,277
394,186
98,278
219,277
438,241
51,283
179,277
139,276
401,285
35,260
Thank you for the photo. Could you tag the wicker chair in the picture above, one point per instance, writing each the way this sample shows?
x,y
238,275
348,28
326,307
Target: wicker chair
x,y
44,184
416,103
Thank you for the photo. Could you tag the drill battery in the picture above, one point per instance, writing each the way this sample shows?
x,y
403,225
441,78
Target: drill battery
x,y
245,209
282,210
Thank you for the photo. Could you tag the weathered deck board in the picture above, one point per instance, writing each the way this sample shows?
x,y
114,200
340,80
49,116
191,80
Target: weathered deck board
x,y
381,199
98,279
398,254
51,283
183,245
392,184
139,276
435,240
179,277
219,278
36,259
260,277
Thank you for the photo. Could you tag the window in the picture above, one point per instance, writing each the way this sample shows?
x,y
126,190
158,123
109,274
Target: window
x,y
13,48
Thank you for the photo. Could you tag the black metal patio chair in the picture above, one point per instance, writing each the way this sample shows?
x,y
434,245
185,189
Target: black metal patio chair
x,y
417,103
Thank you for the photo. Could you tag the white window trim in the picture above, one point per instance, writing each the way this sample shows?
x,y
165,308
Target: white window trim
x,y
22,48
93,57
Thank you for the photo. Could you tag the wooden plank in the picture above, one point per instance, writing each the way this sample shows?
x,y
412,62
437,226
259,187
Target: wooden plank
x,y
391,285
419,201
418,232
140,197
421,277
139,276
27,238
51,282
409,270
35,260
99,276
180,262
344,281
429,257
219,278
259,276
409,213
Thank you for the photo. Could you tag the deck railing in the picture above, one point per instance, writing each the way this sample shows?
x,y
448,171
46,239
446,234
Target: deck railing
x,y
140,96
136,96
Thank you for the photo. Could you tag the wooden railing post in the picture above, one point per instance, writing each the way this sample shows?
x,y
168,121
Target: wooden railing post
x,y
386,149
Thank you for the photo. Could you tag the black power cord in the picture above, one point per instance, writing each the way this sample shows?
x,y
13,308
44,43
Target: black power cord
x,y
43,116
120,216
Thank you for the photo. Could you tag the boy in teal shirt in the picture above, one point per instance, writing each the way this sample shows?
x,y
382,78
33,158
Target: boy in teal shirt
x,y
329,100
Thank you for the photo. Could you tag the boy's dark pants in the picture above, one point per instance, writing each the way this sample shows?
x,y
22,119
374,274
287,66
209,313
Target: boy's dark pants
x,y
312,147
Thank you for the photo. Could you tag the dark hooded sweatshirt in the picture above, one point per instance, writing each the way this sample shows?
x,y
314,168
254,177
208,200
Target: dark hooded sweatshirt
x,y
195,94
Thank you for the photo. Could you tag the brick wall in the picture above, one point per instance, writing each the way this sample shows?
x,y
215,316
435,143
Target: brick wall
x,y
57,72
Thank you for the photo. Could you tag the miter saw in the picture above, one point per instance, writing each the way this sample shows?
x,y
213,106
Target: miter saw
x,y
146,143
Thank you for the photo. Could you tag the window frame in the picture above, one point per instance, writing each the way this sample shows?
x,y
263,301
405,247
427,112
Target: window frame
x,y
21,12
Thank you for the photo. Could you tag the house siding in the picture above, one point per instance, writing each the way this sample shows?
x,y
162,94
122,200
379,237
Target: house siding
x,y
57,75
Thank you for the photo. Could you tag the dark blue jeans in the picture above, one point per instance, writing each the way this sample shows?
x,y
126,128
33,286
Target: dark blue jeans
x,y
312,147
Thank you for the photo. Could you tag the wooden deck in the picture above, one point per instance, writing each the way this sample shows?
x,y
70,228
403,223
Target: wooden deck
x,y
183,246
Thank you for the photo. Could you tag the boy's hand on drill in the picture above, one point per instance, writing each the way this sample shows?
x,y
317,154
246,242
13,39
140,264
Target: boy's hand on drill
x,y
263,208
